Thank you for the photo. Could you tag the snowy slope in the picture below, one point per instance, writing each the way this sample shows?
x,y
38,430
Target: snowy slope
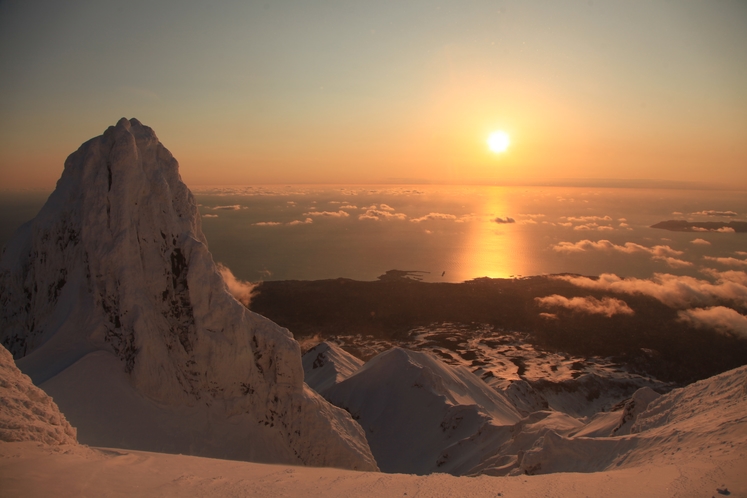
x,y
413,407
705,419
26,412
690,442
327,364
116,262
27,470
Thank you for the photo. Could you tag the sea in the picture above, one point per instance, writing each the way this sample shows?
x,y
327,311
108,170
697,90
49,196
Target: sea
x,y
452,233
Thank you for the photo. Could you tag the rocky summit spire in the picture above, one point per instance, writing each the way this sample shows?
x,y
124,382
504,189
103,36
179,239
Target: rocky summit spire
x,y
113,282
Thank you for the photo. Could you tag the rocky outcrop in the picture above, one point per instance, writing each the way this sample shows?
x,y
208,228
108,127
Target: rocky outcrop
x,y
26,412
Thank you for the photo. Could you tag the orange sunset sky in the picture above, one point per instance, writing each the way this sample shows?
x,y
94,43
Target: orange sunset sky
x,y
383,92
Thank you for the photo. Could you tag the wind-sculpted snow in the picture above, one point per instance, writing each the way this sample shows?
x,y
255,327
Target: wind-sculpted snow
x,y
116,261
707,418
26,412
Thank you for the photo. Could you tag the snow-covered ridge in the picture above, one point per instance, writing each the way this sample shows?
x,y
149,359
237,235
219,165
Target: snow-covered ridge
x,y
327,364
26,412
414,407
115,270
422,415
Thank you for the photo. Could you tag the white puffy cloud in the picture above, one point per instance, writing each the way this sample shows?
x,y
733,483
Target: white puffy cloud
x,y
720,318
241,290
607,306
299,222
209,215
377,215
267,223
434,216
700,242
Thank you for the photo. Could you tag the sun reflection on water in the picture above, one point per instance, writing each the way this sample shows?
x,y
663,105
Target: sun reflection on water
x,y
492,249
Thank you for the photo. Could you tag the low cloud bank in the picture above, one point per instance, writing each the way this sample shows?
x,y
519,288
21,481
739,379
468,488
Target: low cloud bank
x,y
586,219
607,306
241,290
712,212
234,207
728,261
593,226
658,253
720,318
331,214
673,290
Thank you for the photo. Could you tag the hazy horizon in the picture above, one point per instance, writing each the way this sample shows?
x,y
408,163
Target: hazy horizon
x,y
362,93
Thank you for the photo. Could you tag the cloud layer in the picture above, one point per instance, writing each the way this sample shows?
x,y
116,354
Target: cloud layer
x,y
673,290
607,306
658,253
331,214
720,318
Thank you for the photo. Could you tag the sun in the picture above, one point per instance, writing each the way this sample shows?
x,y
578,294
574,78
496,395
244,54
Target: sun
x,y
498,141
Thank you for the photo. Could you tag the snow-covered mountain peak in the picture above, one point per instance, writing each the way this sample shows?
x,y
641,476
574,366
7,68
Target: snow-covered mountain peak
x,y
116,262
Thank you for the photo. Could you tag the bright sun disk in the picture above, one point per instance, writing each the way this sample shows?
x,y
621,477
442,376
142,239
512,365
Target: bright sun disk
x,y
498,141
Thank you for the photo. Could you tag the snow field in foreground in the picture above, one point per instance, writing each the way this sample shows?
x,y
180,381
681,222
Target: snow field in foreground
x,y
29,470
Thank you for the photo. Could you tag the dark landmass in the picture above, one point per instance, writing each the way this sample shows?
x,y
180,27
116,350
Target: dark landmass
x,y
650,341
701,226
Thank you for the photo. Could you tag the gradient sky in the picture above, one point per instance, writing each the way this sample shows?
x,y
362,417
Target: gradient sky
x,y
390,91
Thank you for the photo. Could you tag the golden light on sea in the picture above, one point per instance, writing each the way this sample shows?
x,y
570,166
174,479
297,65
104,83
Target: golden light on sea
x,y
494,248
